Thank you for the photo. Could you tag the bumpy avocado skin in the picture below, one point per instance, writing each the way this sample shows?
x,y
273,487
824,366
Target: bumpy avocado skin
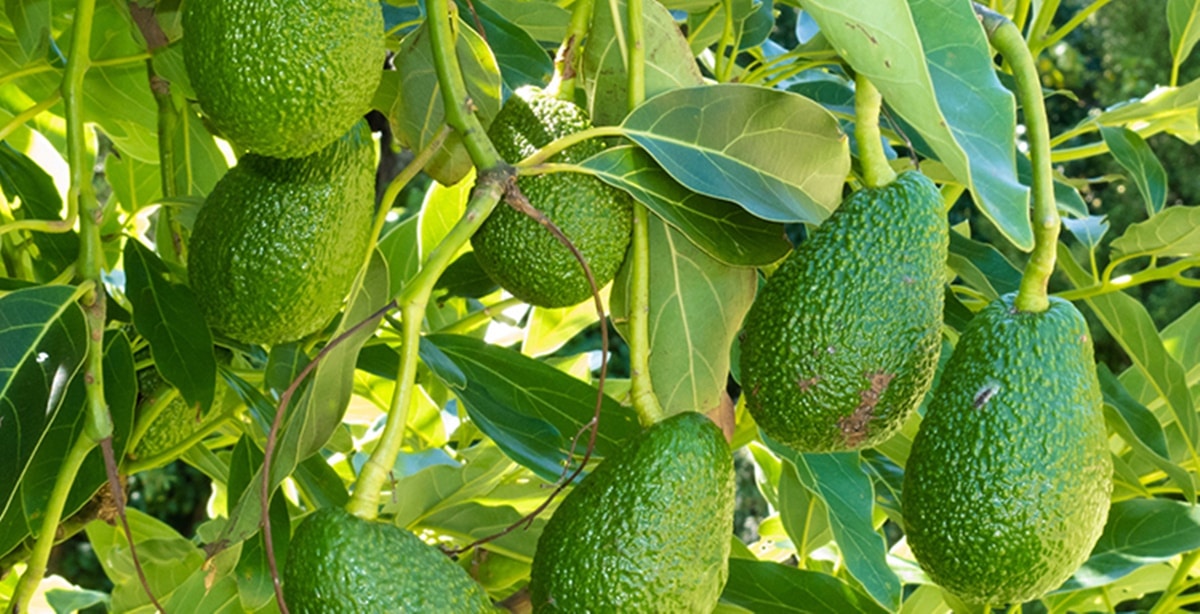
x,y
517,252
842,343
175,423
646,531
1007,487
277,243
284,78
338,563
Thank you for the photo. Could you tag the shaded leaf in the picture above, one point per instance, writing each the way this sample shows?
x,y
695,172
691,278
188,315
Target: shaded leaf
x,y
696,309
1136,157
723,141
982,266
167,557
932,63
804,515
1138,532
722,229
1089,230
1140,429
1068,198
253,572
21,177
30,20
1173,232
530,409
169,317
768,588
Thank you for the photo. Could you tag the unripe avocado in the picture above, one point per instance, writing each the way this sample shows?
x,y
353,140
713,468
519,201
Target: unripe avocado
x,y
174,422
277,243
515,250
647,531
339,563
1007,486
284,78
842,343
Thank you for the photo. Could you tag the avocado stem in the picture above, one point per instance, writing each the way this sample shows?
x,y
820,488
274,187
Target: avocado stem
x,y
871,156
562,86
1032,295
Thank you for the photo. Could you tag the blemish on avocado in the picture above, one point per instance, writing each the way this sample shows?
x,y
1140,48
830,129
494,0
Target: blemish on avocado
x,y
854,426
807,383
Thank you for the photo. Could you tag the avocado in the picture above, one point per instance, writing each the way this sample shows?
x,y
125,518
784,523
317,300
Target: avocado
x,y
283,78
277,243
173,421
515,250
647,530
1007,486
842,343
339,563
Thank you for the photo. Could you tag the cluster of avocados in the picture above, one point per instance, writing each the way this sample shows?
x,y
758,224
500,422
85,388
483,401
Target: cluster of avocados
x,y
1007,485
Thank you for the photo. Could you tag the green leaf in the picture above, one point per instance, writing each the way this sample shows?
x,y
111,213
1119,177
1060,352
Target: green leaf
x,y
441,486
30,21
931,61
669,63
399,249
722,229
1182,340
440,211
547,330
747,25
168,316
507,393
1141,430
1138,532
696,309
1183,18
1068,198
1133,329
21,177
982,266
1172,233
465,278
849,497
545,21
43,342
1175,110
472,520
689,132
805,516
253,572
167,558
1136,157
412,98
1089,230
768,588
76,599
522,60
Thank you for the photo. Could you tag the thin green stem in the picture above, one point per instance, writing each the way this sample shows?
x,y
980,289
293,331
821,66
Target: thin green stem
x,y
1042,22
1036,47
458,105
635,24
1178,583
1006,38
1107,285
727,47
402,179
561,144
30,113
67,471
867,102
477,318
563,84
1021,14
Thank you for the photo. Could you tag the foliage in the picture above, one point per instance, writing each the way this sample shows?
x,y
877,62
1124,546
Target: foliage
x,y
440,403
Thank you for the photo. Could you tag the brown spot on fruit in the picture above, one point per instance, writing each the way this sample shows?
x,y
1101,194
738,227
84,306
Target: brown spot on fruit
x,y
806,384
854,426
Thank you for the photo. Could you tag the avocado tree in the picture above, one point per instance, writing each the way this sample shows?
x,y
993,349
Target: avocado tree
x,y
517,374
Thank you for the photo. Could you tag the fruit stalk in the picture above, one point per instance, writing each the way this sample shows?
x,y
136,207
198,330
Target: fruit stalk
x,y
563,83
867,103
1006,38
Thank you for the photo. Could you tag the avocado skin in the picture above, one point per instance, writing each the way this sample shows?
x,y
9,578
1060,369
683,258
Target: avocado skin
x,y
1008,483
175,423
518,252
277,243
842,343
284,78
338,563
646,531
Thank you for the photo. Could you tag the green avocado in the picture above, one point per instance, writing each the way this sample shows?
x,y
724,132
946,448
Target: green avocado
x,y
515,250
1007,486
283,78
277,243
842,343
647,531
173,421
338,563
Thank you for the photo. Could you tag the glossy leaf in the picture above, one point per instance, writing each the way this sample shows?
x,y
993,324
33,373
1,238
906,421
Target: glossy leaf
x,y
669,63
1183,18
722,229
722,141
1132,152
169,317
415,104
1133,329
530,409
1172,233
769,588
1138,532
43,341
696,309
931,61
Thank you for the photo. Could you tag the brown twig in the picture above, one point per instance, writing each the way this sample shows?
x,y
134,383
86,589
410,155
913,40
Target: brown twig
x,y
273,435
517,200
114,484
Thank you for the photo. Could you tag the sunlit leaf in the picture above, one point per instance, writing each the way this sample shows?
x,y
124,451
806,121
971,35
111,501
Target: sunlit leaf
x,y
545,21
720,228
30,20
1173,232
472,520
1132,152
547,330
1183,18
440,486
21,178
1175,110
400,250
169,317
441,210
522,60
771,588
931,61
167,557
